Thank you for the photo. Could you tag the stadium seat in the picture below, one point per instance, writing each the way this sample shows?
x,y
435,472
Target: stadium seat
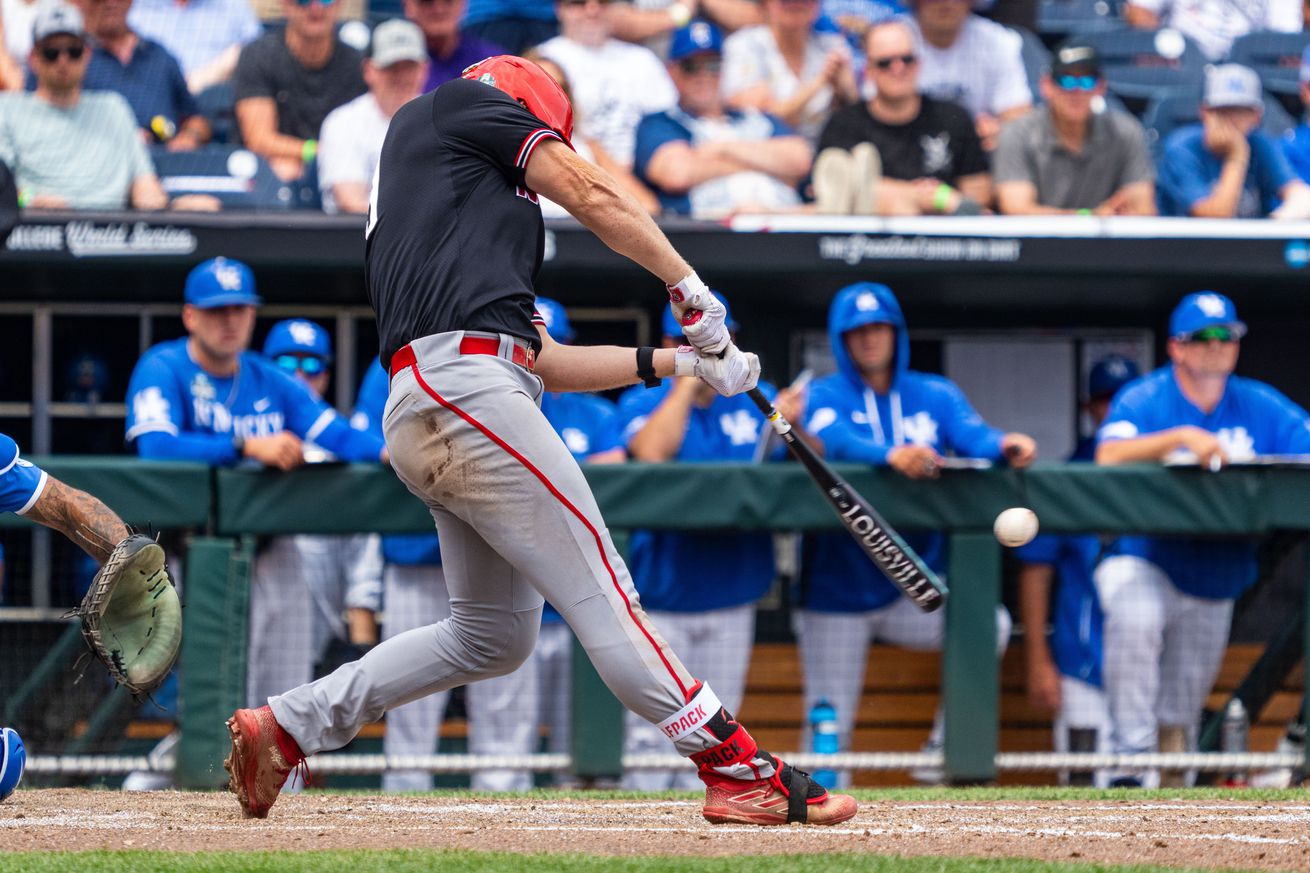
x,y
1057,19
240,179
1277,58
1166,114
218,104
1141,64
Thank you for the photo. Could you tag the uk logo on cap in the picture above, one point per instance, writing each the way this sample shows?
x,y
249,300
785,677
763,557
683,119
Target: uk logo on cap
x,y
867,302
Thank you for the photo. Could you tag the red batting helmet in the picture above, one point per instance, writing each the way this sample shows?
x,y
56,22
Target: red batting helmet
x,y
530,85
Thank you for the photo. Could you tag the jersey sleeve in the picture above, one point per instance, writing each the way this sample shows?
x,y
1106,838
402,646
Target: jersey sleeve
x,y
965,430
1291,425
606,432
1183,178
154,402
311,419
21,482
484,120
843,439
653,132
1127,417
1010,160
1044,549
251,78
635,407
1011,87
372,400
1274,169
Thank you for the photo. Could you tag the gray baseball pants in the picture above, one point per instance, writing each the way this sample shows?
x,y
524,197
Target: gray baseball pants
x,y
517,522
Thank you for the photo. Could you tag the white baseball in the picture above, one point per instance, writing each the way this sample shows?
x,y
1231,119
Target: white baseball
x,y
1015,526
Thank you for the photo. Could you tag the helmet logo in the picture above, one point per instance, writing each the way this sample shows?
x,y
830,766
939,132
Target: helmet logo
x,y
487,79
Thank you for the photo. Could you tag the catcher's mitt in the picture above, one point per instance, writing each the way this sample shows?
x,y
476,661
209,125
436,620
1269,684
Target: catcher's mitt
x,y
131,616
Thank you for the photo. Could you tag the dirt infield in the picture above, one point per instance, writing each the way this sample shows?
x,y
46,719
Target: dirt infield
x,y
1271,836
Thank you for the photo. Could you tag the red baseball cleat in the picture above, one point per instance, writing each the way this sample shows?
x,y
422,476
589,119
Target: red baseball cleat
x,y
262,756
789,796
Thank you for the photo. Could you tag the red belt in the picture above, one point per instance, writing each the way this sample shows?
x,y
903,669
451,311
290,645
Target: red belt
x,y
522,355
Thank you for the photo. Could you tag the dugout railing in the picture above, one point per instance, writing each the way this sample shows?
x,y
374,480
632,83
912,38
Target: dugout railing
x,y
226,508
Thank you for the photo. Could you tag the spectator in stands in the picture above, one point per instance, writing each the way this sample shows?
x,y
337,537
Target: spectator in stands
x,y
352,135
712,624
1067,158
515,24
1214,24
145,74
206,36
591,150
900,152
614,83
966,59
1168,602
1064,673
73,149
653,22
287,83
1226,167
1297,144
449,50
506,713
876,410
308,590
706,160
16,20
788,69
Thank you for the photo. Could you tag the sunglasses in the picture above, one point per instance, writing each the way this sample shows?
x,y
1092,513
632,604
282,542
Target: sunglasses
x,y
307,364
303,3
1212,334
692,66
51,53
886,63
1077,83
576,3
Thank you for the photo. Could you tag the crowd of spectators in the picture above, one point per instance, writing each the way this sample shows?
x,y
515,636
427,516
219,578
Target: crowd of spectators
x,y
704,108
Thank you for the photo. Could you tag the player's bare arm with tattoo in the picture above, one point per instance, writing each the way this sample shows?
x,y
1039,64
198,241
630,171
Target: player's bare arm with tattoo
x,y
82,518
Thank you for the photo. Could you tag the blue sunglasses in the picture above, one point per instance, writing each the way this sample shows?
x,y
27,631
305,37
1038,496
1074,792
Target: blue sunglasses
x,y
307,364
1077,83
307,2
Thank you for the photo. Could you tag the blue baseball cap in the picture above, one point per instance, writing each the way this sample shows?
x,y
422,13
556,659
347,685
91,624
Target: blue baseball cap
x,y
1204,309
557,320
698,36
674,330
296,336
221,282
1111,373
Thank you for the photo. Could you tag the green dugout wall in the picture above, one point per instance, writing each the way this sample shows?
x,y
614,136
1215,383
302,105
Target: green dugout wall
x,y
225,508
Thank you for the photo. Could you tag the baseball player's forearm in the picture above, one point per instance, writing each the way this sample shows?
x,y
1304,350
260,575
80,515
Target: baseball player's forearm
x,y
1150,447
1034,608
79,516
596,199
661,437
595,368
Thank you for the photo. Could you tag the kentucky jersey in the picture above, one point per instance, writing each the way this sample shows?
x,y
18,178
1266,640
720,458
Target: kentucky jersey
x,y
1251,419
176,410
21,483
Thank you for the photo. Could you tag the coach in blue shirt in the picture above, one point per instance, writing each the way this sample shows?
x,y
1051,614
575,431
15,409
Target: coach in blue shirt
x,y
1168,602
145,73
1226,167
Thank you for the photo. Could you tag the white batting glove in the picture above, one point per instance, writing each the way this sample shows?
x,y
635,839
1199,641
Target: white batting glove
x,y
736,371
691,299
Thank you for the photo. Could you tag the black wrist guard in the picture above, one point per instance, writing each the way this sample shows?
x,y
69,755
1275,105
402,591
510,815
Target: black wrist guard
x,y
646,367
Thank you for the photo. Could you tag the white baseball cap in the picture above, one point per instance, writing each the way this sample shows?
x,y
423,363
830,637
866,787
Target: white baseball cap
x,y
397,40
1232,85
57,18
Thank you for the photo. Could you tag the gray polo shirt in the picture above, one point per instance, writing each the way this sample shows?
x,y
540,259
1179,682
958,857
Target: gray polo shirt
x,y
88,154
1113,155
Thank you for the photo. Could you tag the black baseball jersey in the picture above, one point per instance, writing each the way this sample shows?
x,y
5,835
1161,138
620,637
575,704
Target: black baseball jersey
x,y
454,236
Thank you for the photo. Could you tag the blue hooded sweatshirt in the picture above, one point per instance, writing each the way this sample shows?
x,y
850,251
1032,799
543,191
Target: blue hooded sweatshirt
x,y
859,425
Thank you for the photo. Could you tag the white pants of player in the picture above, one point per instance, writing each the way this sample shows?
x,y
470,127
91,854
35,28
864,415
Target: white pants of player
x,y
517,521
716,646
505,713
1163,649
413,597
834,650
1082,707
299,589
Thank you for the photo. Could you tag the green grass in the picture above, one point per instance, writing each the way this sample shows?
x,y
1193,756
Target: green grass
x,y
419,861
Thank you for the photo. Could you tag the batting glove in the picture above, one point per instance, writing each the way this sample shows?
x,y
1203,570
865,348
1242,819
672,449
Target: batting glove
x,y
701,315
732,373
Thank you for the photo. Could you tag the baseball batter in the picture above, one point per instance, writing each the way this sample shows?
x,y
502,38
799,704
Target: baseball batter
x,y
1064,672
414,595
454,239
1168,602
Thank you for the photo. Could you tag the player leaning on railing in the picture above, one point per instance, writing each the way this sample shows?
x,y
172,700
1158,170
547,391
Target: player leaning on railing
x,y
131,617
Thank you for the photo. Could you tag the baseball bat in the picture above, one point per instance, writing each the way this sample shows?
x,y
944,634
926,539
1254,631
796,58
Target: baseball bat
x,y
879,540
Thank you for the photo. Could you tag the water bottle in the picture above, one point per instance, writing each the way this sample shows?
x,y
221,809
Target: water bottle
x,y
1236,730
825,739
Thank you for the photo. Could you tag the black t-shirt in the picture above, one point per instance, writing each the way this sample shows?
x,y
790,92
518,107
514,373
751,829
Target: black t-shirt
x,y
940,142
303,97
8,203
455,237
